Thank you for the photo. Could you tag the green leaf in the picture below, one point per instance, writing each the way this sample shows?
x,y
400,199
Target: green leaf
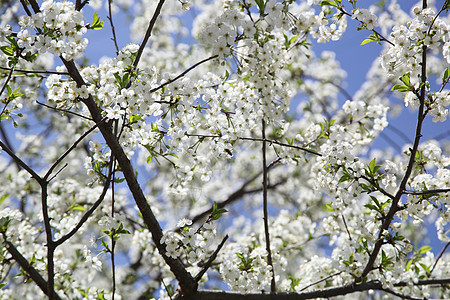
x,y
406,79
345,177
3,198
400,88
79,207
7,50
366,41
217,213
261,6
372,165
96,22
446,73
424,250
134,119
330,3
13,42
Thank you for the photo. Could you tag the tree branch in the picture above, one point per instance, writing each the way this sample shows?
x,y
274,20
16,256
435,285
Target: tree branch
x,y
67,152
183,73
148,33
88,213
323,293
401,190
427,192
29,269
210,260
34,71
265,211
114,38
186,281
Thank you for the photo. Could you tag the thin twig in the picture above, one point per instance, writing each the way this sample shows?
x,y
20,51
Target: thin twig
x,y
265,210
280,144
183,73
114,38
88,213
439,257
34,71
346,228
148,33
320,280
239,193
427,192
210,260
67,152
64,110
4,87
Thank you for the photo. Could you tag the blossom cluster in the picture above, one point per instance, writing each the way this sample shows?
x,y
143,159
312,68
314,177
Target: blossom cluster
x,y
409,40
193,244
59,29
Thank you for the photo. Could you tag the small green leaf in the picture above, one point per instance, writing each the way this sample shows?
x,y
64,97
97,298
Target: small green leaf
x,y
366,41
3,198
7,50
406,79
330,3
446,74
400,88
79,207
96,22
372,165
424,250
261,5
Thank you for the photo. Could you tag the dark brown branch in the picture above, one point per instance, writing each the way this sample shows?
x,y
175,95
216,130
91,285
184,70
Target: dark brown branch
x,y
148,33
427,192
273,288
34,5
25,7
29,269
22,164
186,281
79,5
88,213
323,293
401,190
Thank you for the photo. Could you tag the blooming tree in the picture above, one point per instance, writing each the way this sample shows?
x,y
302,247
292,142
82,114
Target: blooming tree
x,y
220,157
